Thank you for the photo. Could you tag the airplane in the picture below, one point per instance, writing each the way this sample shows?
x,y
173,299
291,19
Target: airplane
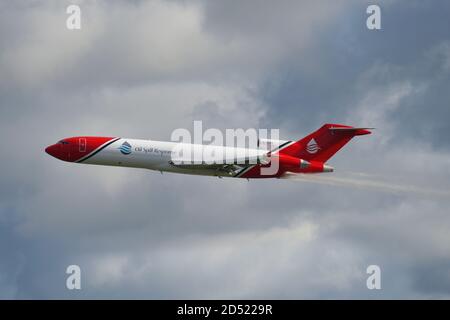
x,y
307,155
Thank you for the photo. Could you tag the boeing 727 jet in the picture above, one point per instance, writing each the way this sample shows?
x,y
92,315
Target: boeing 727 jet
x,y
307,155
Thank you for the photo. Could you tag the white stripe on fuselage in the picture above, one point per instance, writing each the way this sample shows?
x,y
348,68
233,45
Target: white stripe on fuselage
x,y
157,155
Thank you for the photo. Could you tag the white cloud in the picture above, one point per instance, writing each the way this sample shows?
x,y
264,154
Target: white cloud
x,y
128,43
266,263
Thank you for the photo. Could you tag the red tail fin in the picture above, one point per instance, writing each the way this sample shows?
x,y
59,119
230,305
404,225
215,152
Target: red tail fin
x,y
322,144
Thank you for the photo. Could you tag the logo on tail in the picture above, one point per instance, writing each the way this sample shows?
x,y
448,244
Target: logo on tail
x,y
312,146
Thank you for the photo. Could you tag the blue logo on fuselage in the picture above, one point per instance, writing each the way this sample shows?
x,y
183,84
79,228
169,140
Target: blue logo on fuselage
x,y
125,148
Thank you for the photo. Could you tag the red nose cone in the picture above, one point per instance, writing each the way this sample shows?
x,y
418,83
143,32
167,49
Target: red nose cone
x,y
75,149
52,150
56,150
49,150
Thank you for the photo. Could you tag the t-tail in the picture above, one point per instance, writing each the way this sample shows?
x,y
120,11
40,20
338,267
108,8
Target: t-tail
x,y
322,144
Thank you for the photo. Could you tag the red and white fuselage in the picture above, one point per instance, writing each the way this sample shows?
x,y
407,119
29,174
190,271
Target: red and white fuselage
x,y
307,155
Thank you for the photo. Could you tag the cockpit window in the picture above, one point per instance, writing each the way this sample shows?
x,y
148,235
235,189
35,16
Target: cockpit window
x,y
63,142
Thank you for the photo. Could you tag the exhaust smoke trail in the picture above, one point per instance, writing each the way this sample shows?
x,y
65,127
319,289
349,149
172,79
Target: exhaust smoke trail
x,y
366,181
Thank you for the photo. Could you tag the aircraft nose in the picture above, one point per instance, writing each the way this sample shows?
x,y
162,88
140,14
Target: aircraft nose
x,y
56,150
52,150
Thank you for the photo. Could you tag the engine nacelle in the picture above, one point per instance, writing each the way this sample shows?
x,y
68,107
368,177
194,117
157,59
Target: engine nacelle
x,y
294,164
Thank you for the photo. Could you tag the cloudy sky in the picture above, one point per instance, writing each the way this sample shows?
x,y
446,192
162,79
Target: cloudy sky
x,y
141,69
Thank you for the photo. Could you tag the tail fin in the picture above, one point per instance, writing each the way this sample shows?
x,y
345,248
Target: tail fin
x,y
322,144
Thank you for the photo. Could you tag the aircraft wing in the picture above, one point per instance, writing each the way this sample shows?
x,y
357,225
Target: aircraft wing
x,y
229,166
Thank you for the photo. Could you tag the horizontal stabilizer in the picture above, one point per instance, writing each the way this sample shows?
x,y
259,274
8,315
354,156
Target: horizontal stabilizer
x,y
355,131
